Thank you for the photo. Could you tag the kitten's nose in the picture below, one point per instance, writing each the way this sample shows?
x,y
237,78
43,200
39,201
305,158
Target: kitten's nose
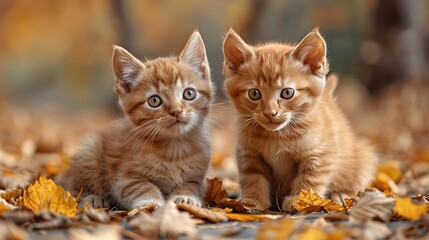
x,y
270,114
175,112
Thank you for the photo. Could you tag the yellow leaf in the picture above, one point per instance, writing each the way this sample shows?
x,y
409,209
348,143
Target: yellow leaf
x,y
277,230
242,217
382,181
404,207
392,169
45,194
310,201
313,233
3,208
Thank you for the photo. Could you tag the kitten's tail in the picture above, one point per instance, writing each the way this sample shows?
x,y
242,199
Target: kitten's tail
x,y
331,84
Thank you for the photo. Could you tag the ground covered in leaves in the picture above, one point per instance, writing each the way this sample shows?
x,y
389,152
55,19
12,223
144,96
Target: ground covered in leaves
x,y
35,150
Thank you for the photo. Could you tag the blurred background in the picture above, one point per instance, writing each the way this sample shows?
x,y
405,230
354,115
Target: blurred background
x,y
56,79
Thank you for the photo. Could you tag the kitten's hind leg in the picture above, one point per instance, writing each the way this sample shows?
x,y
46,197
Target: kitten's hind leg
x,y
95,201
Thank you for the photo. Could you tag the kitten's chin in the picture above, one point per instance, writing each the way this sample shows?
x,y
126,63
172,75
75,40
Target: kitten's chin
x,y
270,126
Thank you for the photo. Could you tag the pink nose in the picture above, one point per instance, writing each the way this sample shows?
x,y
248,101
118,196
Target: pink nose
x,y
270,114
176,113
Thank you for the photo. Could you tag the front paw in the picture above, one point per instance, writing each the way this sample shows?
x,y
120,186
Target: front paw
x,y
142,202
187,200
254,204
287,205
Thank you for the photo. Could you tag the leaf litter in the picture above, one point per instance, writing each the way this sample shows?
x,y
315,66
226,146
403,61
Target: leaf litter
x,y
396,207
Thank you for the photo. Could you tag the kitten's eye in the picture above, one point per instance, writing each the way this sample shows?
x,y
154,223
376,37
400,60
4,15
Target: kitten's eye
x,y
287,93
154,101
189,94
254,94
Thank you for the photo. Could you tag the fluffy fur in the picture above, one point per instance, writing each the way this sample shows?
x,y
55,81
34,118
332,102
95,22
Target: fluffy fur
x,y
288,144
153,153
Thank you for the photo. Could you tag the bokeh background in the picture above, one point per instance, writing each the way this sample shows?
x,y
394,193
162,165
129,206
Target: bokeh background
x,y
56,79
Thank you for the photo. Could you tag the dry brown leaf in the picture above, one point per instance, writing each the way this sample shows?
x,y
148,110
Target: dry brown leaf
x,y
98,215
10,193
45,194
147,209
166,222
215,193
404,207
237,205
371,205
203,213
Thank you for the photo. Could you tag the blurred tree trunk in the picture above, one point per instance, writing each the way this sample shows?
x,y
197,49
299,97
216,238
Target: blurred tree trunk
x,y
124,31
399,40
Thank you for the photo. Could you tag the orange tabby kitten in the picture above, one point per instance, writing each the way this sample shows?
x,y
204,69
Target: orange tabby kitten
x,y
161,148
293,135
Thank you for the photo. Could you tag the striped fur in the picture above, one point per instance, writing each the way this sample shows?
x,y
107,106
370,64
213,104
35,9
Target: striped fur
x,y
308,143
151,154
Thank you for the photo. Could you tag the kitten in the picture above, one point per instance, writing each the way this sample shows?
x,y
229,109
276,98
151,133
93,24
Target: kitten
x,y
293,135
161,148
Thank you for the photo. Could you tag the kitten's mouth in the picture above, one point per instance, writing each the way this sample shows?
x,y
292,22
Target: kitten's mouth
x,y
273,125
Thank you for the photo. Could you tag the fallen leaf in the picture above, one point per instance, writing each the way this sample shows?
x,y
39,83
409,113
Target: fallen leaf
x,y
3,208
237,205
9,230
166,222
392,169
10,193
204,213
313,233
310,201
101,232
371,205
280,229
147,209
94,214
243,217
45,194
404,207
383,182
215,193
371,230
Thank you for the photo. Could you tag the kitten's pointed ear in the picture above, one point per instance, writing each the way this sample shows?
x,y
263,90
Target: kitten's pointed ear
x,y
128,69
311,51
194,54
235,51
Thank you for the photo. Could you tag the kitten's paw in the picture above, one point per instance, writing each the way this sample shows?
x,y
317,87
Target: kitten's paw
x,y
94,201
287,204
187,200
254,204
147,202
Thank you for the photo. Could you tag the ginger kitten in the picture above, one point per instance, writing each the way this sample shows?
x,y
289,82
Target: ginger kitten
x,y
293,135
161,148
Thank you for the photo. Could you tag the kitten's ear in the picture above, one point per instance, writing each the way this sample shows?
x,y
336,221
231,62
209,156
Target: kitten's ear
x,y
235,51
128,69
311,51
194,54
